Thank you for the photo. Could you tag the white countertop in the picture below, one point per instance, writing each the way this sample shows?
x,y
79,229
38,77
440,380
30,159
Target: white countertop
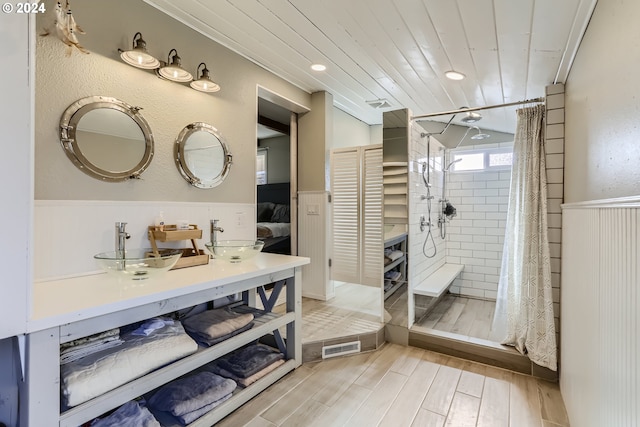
x,y
58,302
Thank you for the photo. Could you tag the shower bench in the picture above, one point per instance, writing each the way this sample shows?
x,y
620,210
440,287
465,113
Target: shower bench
x,y
439,281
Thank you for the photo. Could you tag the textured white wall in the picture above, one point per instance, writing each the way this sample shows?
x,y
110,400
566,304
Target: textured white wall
x,y
167,106
16,173
602,132
599,370
349,131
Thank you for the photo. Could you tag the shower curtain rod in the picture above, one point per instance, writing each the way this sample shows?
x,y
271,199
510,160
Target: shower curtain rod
x,y
469,109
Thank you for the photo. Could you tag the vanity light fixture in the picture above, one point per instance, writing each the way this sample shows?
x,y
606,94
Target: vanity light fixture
x,y
454,75
138,56
204,83
173,70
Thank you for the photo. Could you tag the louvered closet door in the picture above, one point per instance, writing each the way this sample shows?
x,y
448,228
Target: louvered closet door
x,y
371,217
345,171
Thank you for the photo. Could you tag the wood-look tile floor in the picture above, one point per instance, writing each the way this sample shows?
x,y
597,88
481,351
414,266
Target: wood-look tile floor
x,y
396,306
355,310
464,316
403,386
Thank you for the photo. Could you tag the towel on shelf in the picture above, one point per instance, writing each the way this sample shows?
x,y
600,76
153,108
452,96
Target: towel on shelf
x,y
148,326
393,254
212,324
115,332
387,285
249,360
209,343
245,382
131,414
188,396
190,417
81,347
105,370
393,275
71,354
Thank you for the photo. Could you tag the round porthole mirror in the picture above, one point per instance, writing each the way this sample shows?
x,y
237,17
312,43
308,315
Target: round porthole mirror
x,y
106,138
201,155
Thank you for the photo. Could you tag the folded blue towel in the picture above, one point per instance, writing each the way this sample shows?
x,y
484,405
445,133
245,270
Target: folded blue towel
x,y
151,325
131,414
191,393
190,417
249,360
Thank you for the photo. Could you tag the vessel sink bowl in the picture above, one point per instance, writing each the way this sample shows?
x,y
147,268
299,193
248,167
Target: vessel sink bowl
x,y
235,250
138,264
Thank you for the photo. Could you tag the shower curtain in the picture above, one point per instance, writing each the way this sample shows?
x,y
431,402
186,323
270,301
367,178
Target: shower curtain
x,y
524,308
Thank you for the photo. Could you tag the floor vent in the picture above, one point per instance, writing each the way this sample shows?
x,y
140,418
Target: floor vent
x,y
340,349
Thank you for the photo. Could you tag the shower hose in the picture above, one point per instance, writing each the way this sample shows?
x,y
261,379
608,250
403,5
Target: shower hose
x,y
429,235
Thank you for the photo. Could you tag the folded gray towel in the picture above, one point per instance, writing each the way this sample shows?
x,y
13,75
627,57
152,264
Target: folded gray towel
x,y
212,324
249,360
246,382
209,342
131,414
188,394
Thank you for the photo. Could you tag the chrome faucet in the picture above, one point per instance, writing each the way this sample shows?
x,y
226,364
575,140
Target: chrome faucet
x,y
214,228
121,237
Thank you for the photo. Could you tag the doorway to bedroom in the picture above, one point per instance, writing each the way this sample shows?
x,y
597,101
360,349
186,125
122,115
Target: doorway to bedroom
x,y
323,322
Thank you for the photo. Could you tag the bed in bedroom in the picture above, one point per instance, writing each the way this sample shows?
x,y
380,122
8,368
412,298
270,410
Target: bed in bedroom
x,y
273,217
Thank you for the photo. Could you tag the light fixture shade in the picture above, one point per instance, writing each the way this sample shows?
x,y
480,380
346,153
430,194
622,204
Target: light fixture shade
x,y
138,56
454,75
173,70
204,83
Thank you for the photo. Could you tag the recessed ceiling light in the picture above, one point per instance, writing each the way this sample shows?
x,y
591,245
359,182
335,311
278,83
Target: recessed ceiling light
x,y
454,75
318,67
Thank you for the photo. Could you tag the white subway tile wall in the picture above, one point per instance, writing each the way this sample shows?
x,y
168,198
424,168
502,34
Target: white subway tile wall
x,y
420,267
476,235
554,146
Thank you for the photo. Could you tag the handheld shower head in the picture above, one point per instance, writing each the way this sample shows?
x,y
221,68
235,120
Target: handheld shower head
x,y
451,164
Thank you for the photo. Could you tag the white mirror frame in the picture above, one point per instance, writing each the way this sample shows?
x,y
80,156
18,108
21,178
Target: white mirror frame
x,y
179,156
69,124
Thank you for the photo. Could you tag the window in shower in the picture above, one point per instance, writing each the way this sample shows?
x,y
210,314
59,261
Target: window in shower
x,y
479,160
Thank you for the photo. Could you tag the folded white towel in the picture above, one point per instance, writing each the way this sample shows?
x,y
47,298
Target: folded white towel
x,y
394,255
72,354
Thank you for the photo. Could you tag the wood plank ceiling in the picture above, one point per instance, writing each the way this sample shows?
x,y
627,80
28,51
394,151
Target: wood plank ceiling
x,y
398,50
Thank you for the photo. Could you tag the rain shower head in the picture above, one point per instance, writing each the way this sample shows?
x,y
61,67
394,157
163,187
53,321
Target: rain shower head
x,y
471,117
479,135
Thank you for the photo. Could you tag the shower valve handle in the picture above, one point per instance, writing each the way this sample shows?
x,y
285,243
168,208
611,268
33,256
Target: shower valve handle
x,y
424,223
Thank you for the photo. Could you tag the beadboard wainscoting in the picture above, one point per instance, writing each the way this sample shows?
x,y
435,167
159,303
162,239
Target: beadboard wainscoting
x,y
600,357
68,233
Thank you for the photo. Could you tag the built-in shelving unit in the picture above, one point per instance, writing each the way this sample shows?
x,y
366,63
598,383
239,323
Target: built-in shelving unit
x,y
42,367
396,243
395,178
